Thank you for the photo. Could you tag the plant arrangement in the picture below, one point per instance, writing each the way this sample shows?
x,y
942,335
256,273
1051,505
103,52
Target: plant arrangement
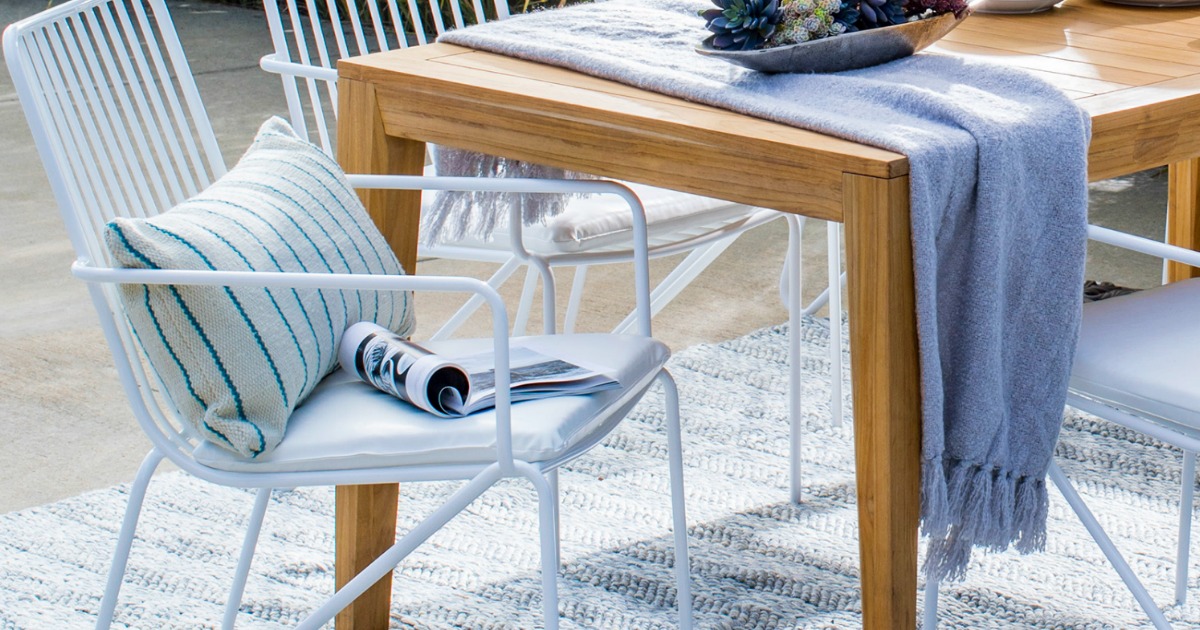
x,y
753,24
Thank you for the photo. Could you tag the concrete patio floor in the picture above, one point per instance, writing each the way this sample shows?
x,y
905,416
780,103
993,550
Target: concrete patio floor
x,y
67,427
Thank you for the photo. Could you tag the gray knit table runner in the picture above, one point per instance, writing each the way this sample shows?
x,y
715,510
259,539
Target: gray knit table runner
x,y
999,204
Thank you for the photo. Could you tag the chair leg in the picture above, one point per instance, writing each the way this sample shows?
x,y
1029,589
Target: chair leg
x,y
234,602
1110,551
835,322
116,573
930,614
1186,496
683,583
795,417
552,479
548,532
388,560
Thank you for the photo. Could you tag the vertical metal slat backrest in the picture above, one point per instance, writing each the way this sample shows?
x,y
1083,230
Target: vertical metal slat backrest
x,y
119,125
114,111
317,33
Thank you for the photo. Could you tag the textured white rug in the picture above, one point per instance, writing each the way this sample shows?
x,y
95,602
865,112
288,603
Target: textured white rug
x,y
757,561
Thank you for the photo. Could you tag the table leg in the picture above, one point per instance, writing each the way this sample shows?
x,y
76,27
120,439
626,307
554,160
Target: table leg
x,y
366,515
887,425
1183,206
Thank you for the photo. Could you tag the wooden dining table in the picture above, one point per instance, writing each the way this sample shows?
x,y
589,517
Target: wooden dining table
x,y
1135,70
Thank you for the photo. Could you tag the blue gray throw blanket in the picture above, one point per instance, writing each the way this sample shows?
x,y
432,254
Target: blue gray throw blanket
x,y
999,205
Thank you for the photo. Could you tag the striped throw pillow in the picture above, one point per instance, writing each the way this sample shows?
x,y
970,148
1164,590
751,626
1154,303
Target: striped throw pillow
x,y
236,361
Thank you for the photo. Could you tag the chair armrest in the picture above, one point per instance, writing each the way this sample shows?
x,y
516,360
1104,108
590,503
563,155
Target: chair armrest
x,y
271,63
641,246
1144,245
84,270
493,184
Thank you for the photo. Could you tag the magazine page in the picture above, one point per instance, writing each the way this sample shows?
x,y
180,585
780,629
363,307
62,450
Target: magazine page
x,y
534,375
405,370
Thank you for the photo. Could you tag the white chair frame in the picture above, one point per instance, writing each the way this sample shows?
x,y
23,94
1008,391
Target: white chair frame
x,y
297,60
315,70
137,176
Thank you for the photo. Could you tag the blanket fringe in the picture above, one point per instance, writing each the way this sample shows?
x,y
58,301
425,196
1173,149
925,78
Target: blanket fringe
x,y
455,215
965,505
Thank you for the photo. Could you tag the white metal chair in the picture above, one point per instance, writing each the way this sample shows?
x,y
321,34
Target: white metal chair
x,y
1137,365
307,47
122,132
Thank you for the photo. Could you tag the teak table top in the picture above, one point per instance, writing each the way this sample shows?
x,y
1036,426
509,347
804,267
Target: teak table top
x,y
1136,70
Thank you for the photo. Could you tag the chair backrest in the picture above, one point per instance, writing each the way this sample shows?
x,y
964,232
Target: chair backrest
x,y
314,34
114,112
119,125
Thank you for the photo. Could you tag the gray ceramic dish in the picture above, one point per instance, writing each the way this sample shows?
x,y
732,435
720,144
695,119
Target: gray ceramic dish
x,y
850,51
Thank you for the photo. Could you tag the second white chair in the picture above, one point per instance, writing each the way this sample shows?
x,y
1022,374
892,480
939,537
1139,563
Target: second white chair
x,y
310,36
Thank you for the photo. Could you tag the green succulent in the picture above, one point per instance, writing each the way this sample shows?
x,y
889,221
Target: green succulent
x,y
742,24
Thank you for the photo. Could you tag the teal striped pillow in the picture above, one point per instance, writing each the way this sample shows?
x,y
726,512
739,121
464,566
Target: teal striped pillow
x,y
236,361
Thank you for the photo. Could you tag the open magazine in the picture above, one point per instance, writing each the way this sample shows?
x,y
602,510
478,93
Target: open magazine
x,y
457,386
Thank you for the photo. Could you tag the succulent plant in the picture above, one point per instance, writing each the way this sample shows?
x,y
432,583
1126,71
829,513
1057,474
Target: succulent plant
x,y
859,15
742,24
806,20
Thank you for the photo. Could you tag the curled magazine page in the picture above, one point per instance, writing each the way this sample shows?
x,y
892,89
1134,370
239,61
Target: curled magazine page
x,y
403,369
456,385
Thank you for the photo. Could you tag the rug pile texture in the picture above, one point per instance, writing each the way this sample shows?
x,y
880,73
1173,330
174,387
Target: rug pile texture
x,y
758,561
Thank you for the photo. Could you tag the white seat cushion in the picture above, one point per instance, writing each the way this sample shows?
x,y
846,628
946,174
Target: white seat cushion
x,y
346,423
1141,353
601,221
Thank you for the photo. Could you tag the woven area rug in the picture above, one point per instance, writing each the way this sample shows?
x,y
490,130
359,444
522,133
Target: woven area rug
x,y
757,560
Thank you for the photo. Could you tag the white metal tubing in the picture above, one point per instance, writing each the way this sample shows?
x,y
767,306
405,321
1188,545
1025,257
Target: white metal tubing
x,y
1156,430
198,116
521,319
273,64
929,615
82,270
552,479
834,232
279,63
536,263
548,537
1187,493
261,500
795,379
388,560
1110,551
1144,245
683,583
529,185
116,572
668,248
676,281
473,303
576,297
823,298
1166,266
